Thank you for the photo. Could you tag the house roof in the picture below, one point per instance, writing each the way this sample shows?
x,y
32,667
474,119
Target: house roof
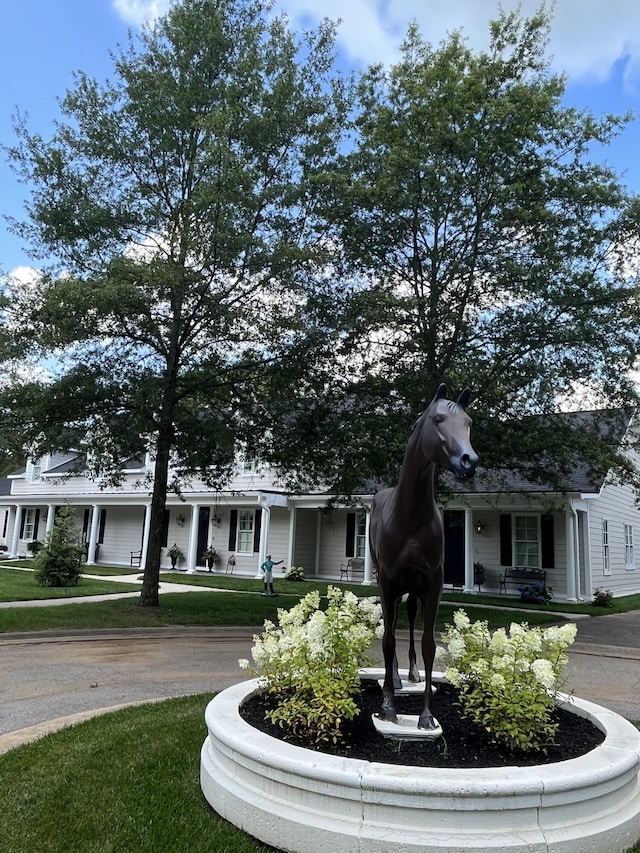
x,y
608,426
5,486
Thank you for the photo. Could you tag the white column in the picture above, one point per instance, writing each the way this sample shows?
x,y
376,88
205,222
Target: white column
x,y
318,533
51,515
193,539
145,533
291,550
93,535
367,578
16,531
571,556
468,551
264,535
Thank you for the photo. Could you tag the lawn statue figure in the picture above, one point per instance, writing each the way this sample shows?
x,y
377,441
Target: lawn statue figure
x,y
267,569
407,541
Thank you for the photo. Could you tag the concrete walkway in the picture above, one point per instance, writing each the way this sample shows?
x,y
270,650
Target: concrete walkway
x,y
53,679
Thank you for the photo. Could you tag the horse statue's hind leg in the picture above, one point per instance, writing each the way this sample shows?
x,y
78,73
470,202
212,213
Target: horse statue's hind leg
x,y
412,610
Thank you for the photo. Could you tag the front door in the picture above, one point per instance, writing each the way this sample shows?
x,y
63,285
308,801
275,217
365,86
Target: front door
x,y
454,547
203,534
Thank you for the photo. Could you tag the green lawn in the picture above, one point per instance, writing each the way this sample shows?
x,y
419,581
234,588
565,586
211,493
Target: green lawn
x,y
19,585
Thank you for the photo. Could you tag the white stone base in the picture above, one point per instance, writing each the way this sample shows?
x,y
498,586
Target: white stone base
x,y
302,801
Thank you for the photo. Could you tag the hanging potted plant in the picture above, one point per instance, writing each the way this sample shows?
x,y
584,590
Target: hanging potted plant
x,y
175,554
210,556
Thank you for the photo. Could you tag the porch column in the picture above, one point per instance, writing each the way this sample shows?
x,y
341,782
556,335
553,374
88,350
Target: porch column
x,y
367,579
16,531
291,550
318,534
571,556
468,551
93,535
145,533
264,534
193,539
51,516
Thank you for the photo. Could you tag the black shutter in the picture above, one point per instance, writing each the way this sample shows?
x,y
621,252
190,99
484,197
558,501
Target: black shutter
x,y
256,531
23,519
36,523
101,526
506,549
164,530
85,525
546,534
233,529
6,522
350,544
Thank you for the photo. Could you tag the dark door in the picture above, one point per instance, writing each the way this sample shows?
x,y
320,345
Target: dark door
x,y
203,534
454,547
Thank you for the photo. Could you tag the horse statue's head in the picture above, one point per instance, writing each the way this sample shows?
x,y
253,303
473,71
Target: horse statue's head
x,y
445,434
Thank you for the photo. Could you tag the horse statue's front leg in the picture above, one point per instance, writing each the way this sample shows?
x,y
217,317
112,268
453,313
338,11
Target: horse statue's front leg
x,y
412,609
430,609
391,677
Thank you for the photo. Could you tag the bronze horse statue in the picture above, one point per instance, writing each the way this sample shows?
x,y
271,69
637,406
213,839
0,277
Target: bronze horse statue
x,y
406,537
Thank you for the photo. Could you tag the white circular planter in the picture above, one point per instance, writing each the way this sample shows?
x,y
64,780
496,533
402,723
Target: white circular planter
x,y
303,801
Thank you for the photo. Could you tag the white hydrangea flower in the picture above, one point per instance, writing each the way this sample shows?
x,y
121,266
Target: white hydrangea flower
x,y
243,663
461,620
543,671
457,648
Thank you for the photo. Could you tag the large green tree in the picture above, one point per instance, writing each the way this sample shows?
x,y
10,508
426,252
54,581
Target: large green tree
x,y
177,201
490,245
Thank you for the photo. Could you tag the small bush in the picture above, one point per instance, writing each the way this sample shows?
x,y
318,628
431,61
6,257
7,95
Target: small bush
x,y
295,573
536,593
602,597
57,563
35,547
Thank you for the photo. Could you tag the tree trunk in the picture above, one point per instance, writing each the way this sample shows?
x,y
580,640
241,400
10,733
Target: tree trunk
x,y
149,595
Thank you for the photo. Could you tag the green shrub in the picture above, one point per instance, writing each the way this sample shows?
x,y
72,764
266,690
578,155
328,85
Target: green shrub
x,y
57,563
295,573
508,681
310,662
602,597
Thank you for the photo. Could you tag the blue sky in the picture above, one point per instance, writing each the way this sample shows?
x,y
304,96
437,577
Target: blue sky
x,y
596,44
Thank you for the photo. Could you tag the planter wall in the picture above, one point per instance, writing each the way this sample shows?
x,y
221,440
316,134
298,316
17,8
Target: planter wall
x,y
299,800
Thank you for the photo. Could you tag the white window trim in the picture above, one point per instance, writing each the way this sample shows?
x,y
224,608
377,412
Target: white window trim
x,y
606,551
29,525
248,516
629,556
514,540
36,471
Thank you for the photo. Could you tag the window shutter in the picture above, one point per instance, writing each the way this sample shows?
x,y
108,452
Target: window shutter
x,y
547,551
256,531
506,549
233,529
349,548
164,530
101,526
22,522
85,524
36,522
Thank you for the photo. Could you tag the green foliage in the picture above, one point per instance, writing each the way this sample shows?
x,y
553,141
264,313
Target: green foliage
x,y
295,573
58,562
508,681
34,547
175,554
536,593
602,597
310,662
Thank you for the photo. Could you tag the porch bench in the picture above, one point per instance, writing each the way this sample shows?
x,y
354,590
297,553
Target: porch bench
x,y
136,558
353,566
521,575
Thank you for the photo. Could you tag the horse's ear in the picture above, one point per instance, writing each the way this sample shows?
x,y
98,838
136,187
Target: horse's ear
x,y
441,393
463,399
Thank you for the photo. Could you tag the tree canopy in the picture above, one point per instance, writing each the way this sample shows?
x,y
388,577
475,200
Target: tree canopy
x,y
177,203
493,251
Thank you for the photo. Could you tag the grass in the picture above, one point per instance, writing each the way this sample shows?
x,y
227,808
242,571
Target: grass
x,y
20,585
125,781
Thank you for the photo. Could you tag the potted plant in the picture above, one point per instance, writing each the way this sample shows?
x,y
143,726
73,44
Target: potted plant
x,y
175,554
210,556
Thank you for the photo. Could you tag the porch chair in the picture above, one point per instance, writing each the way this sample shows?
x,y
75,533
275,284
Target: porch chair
x,y
136,558
231,564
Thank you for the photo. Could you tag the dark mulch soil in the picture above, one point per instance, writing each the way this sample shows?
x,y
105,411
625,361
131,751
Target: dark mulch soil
x,y
463,743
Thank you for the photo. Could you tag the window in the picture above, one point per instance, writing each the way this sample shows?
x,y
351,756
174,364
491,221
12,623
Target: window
x,y
245,531
29,525
36,471
526,542
606,565
629,559
361,535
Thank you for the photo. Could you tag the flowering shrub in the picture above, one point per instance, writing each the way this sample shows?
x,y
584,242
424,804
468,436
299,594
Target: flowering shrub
x,y
295,573
508,681
602,597
536,593
310,662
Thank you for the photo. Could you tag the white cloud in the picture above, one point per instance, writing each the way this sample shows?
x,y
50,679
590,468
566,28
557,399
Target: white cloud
x,y
587,39
138,12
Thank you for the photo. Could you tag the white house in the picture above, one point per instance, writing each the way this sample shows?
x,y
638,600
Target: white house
x,y
584,536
